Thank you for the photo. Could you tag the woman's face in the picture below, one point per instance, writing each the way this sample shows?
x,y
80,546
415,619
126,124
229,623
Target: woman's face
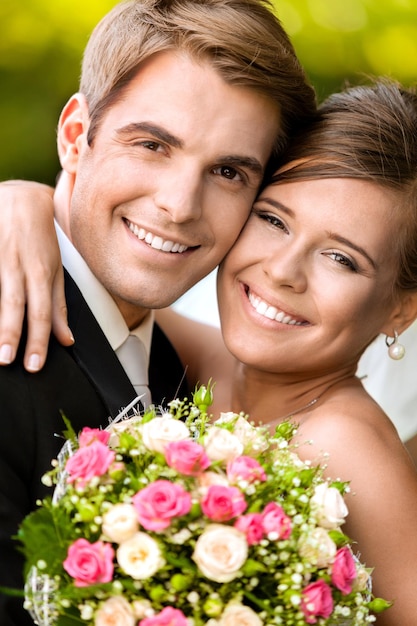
x,y
309,282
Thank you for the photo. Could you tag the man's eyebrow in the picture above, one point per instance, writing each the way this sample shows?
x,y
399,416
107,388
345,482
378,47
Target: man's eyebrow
x,y
156,131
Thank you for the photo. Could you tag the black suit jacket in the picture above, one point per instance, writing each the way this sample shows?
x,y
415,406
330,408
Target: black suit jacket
x,y
87,383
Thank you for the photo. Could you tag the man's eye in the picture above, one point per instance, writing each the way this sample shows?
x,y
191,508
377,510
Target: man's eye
x,y
150,145
228,172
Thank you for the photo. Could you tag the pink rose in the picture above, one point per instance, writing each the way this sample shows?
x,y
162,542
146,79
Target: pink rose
x,y
88,435
221,504
167,617
245,468
252,526
89,563
317,601
89,461
276,521
187,457
344,570
158,503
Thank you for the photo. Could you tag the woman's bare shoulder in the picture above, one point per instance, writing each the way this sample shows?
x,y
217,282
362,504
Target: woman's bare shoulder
x,y
355,435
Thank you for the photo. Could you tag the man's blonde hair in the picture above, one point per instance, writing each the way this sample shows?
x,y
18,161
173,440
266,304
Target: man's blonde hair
x,y
242,39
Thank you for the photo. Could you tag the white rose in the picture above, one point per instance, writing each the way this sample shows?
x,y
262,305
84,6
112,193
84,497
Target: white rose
x,y
139,556
220,552
317,547
239,615
329,506
157,433
120,522
115,611
252,438
222,445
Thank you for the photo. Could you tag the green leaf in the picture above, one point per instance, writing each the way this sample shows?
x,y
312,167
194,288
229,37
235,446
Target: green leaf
x,y
44,536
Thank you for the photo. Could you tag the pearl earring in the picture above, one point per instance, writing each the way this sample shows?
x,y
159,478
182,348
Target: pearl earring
x,y
396,350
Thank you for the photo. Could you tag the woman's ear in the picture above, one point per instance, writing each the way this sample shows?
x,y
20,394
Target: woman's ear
x,y
72,132
403,315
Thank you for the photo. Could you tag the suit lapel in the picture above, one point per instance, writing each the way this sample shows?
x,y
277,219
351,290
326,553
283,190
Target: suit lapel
x,y
94,354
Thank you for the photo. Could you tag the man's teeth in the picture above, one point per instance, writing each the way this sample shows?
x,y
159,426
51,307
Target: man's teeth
x,y
156,242
271,312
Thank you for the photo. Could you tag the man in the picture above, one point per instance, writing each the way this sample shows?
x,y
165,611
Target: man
x,y
162,151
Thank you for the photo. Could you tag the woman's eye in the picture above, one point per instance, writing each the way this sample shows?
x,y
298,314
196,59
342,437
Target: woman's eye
x,y
274,220
343,260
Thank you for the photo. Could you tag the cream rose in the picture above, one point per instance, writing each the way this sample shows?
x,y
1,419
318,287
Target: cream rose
x,y
363,579
207,479
157,433
329,506
222,445
115,429
140,556
220,552
120,522
114,611
317,547
239,615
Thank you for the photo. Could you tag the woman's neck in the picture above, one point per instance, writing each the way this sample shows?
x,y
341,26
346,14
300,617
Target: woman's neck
x,y
268,397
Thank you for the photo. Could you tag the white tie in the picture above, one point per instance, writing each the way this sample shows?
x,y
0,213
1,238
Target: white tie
x,y
132,356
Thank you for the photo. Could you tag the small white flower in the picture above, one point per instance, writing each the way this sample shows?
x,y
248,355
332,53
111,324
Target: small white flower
x,y
120,522
329,506
140,556
193,597
86,612
160,431
220,552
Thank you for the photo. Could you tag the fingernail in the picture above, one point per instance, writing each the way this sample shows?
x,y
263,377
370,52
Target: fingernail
x,y
71,336
6,354
33,363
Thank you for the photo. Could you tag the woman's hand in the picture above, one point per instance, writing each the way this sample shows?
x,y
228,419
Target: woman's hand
x,y
31,274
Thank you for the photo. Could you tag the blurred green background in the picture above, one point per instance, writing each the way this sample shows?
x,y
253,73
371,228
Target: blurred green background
x,y
41,43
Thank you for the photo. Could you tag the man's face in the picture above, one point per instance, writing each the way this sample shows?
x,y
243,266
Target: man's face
x,y
163,192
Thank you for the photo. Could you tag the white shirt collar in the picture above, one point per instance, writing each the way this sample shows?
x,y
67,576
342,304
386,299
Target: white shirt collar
x,y
104,308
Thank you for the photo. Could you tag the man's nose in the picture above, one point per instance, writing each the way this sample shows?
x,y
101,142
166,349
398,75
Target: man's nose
x,y
180,194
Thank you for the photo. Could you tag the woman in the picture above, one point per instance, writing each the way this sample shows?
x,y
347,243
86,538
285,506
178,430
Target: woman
x,y
327,262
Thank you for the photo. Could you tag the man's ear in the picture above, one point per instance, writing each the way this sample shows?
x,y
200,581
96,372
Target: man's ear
x,y
403,315
72,132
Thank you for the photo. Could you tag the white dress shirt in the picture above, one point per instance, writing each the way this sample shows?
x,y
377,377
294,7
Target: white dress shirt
x,y
104,308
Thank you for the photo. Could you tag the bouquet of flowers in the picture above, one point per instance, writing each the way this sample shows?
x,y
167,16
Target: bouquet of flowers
x,y
166,519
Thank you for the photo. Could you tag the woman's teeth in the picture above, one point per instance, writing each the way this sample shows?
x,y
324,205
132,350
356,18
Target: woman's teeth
x,y
271,312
